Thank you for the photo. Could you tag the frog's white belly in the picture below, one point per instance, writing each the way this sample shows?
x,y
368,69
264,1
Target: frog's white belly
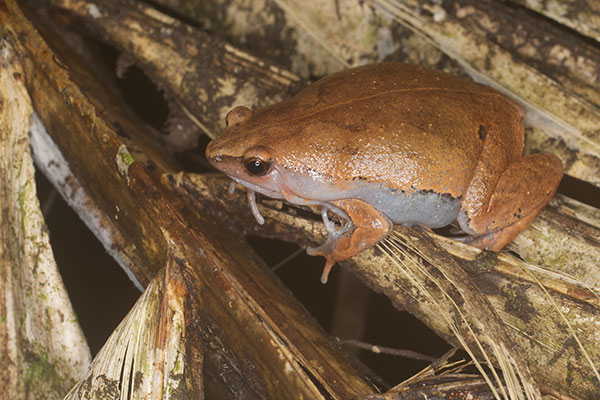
x,y
420,207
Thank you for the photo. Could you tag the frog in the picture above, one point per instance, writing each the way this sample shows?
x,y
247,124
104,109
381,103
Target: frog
x,y
391,143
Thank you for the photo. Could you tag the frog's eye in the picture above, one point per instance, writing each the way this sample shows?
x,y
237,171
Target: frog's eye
x,y
257,167
258,160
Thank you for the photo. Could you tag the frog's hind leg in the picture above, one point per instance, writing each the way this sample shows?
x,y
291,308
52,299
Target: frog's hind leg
x,y
366,227
520,193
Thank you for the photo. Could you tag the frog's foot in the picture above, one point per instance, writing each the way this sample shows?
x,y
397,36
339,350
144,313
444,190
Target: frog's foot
x,y
328,249
364,228
495,241
523,189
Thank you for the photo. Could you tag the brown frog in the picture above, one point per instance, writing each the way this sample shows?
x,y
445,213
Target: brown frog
x,y
391,143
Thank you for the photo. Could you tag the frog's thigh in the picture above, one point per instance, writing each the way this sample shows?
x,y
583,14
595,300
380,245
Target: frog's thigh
x,y
370,226
523,189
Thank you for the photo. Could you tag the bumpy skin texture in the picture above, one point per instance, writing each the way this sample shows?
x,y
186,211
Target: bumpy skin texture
x,y
414,144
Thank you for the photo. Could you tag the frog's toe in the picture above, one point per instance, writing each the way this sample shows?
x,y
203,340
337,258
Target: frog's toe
x,y
325,250
314,251
326,269
333,236
331,228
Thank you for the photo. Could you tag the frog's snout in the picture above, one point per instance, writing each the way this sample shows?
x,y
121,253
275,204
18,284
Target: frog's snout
x,y
215,160
212,153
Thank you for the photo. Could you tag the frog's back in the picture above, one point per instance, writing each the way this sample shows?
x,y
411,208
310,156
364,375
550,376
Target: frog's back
x,y
380,81
408,127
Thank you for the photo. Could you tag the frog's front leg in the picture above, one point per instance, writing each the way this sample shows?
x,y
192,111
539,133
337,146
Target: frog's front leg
x,y
366,227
